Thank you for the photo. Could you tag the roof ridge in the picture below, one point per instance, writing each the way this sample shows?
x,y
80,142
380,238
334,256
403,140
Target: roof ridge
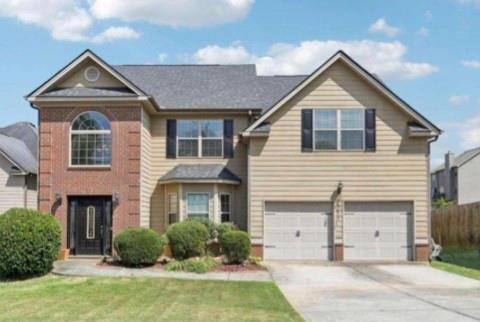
x,y
196,65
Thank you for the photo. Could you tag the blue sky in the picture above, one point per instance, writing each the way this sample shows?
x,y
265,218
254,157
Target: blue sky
x,y
427,51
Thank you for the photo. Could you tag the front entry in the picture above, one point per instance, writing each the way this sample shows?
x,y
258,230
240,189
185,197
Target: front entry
x,y
90,225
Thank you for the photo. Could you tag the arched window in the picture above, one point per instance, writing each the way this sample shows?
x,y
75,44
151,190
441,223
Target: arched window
x,y
91,140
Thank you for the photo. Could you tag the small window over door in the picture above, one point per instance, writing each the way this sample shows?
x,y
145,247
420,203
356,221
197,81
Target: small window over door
x,y
90,222
225,207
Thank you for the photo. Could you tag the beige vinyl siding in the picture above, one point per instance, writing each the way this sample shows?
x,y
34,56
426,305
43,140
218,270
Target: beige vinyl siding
x,y
397,171
161,165
76,78
12,189
145,171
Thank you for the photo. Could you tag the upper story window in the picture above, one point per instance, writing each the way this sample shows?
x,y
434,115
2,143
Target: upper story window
x,y
200,138
339,129
91,140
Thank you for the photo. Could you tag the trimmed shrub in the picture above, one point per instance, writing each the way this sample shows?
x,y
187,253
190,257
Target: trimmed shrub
x,y
236,246
187,239
193,265
210,225
225,228
29,243
138,247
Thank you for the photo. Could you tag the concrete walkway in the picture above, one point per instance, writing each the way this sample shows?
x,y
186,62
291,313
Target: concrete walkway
x,y
377,292
88,267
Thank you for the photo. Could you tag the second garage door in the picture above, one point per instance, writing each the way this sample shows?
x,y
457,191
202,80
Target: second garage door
x,y
297,231
378,231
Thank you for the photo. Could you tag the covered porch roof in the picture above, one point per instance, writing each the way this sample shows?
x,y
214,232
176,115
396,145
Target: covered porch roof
x,y
200,173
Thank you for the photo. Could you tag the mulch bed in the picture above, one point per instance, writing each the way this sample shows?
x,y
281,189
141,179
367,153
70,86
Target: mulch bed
x,y
230,268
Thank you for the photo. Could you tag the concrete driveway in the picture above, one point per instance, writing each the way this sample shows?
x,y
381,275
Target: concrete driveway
x,y
377,292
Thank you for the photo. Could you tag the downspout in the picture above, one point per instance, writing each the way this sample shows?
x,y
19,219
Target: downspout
x,y
429,192
37,181
25,191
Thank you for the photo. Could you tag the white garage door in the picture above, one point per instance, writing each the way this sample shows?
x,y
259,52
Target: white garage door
x,y
377,231
297,231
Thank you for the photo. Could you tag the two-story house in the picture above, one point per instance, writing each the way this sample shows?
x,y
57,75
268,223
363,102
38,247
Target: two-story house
x,y
331,165
458,177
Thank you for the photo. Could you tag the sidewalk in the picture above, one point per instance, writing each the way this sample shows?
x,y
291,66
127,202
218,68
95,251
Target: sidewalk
x,y
88,267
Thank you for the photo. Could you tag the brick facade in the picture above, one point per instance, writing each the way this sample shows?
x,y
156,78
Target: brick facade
x,y
123,177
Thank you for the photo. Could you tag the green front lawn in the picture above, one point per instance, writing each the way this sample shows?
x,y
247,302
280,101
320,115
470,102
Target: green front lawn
x,y
54,298
460,261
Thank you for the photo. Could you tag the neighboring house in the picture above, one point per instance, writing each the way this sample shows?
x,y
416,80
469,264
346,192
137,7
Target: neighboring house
x,y
18,166
458,178
331,165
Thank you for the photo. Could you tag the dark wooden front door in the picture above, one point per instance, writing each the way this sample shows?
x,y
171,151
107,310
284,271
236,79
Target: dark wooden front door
x,y
90,225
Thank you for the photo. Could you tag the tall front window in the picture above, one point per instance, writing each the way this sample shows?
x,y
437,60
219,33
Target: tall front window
x,y
340,129
91,140
200,138
197,205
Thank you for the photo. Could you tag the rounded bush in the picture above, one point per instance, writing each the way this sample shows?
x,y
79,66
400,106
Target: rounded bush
x,y
29,243
187,239
138,246
209,224
225,228
236,246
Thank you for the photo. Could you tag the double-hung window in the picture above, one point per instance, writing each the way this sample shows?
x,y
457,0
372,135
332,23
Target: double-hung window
x,y
339,129
197,205
225,207
200,138
172,208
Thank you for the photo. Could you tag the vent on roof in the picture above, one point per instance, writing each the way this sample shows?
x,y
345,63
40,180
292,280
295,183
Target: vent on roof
x,y
92,74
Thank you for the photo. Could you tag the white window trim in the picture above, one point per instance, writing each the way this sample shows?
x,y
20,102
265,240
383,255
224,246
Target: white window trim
x,y
88,222
199,140
71,132
338,129
229,205
199,213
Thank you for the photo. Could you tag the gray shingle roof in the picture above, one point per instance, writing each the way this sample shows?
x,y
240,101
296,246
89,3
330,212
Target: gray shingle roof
x,y
18,142
201,172
461,159
209,86
25,132
88,92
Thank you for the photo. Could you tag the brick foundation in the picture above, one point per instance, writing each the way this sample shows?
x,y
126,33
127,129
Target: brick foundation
x,y
56,176
257,250
338,252
422,252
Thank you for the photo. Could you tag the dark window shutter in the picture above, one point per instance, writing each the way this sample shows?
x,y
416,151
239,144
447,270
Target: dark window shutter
x,y
228,139
307,130
171,139
370,132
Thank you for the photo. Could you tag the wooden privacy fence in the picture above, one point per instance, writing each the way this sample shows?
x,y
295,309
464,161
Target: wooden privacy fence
x,y
457,226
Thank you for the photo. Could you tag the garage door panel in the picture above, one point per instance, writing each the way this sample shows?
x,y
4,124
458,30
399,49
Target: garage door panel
x,y
297,231
377,231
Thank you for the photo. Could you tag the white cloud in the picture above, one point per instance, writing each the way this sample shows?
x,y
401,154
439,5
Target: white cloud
x,y
381,26
384,58
215,54
475,64
66,20
72,20
179,13
459,100
470,133
423,31
162,57
115,33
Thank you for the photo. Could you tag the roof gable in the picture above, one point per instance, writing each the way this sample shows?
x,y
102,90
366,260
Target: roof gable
x,y
364,74
71,75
